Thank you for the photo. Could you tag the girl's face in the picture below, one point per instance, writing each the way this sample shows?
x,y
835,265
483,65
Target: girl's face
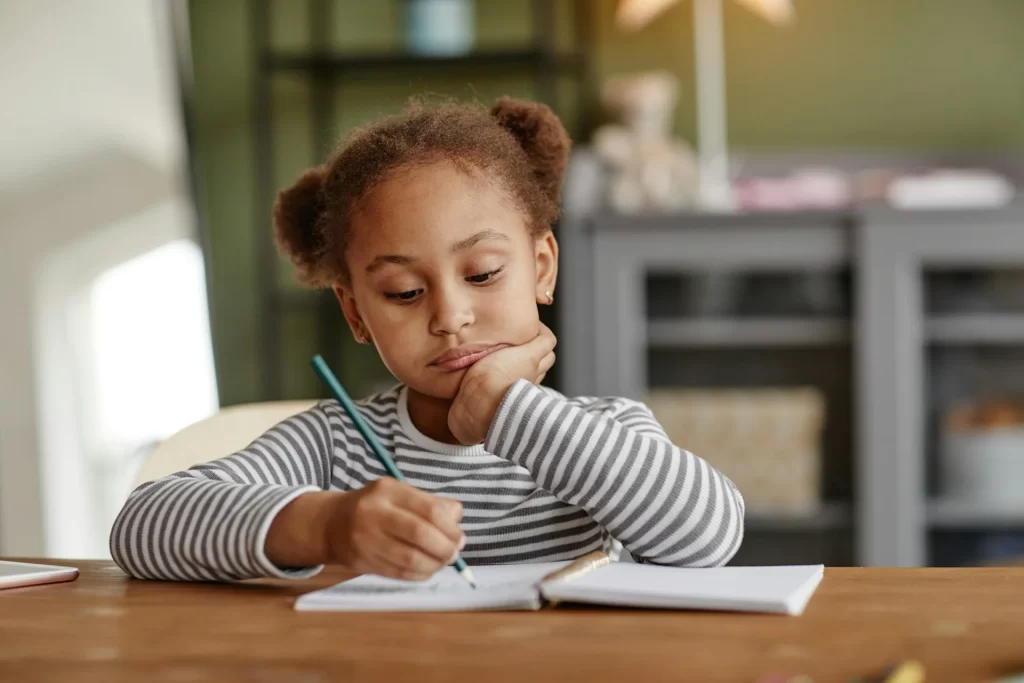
x,y
443,271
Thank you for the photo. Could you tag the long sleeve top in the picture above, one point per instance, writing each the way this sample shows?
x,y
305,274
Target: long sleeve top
x,y
555,478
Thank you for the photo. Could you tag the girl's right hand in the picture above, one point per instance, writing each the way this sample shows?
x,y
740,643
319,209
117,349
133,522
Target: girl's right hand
x,y
392,529
486,382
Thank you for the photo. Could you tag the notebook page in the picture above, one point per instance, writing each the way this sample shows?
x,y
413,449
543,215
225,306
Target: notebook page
x,y
781,589
498,587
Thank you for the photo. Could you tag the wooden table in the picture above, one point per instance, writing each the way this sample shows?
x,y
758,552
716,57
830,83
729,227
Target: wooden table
x,y
964,624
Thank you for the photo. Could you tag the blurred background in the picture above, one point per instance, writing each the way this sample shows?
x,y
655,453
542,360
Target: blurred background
x,y
790,226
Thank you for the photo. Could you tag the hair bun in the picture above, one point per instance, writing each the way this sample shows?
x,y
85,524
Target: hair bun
x,y
541,135
296,216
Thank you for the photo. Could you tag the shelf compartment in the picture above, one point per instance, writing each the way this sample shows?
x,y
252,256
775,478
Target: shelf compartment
x,y
954,515
976,328
309,62
829,516
748,332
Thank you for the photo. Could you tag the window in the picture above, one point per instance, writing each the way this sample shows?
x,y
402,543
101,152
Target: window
x,y
123,360
148,367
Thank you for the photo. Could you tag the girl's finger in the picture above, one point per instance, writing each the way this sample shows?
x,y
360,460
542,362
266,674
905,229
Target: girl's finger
x,y
410,561
546,362
543,343
443,513
380,562
414,531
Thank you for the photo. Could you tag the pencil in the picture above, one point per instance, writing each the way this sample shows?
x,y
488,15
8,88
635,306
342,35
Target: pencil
x,y
904,672
320,366
580,566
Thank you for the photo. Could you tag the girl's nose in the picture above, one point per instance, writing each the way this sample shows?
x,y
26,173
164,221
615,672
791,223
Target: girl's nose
x,y
452,312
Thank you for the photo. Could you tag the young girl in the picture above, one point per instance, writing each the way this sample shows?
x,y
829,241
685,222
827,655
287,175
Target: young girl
x,y
434,231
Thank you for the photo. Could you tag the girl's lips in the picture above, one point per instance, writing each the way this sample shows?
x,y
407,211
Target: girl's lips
x,y
458,359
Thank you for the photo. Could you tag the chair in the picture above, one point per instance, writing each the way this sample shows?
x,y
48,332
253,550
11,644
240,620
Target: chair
x,y
229,430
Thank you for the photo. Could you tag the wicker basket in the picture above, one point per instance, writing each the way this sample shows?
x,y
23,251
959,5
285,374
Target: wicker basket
x,y
767,441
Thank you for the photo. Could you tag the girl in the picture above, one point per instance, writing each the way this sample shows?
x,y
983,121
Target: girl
x,y
434,231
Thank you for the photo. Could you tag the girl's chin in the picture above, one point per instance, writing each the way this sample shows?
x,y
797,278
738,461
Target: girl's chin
x,y
443,387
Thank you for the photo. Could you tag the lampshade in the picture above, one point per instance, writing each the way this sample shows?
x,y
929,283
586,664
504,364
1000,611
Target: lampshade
x,y
775,11
632,15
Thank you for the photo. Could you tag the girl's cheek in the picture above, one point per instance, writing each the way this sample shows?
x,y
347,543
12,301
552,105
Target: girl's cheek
x,y
398,315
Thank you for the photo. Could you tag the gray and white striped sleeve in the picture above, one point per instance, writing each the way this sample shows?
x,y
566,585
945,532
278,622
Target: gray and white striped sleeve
x,y
210,522
664,504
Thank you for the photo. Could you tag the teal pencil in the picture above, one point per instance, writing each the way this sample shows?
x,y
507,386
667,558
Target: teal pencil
x,y
342,396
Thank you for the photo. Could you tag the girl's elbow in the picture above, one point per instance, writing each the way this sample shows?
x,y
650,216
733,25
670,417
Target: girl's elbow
x,y
120,542
732,539
119,553
730,546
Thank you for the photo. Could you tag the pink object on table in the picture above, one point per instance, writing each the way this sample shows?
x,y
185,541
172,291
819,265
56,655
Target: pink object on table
x,y
809,189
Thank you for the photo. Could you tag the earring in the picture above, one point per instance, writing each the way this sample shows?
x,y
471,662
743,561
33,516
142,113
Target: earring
x,y
551,299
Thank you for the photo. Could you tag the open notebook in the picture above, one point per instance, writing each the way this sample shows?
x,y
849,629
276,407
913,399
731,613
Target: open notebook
x,y
783,589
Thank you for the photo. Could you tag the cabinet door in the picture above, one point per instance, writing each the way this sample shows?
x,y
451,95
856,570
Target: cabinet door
x,y
941,325
739,315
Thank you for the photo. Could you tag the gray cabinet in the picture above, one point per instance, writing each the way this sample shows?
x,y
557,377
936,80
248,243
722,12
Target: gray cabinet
x,y
625,327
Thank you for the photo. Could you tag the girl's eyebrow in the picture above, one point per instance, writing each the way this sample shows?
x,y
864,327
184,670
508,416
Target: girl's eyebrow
x,y
473,240
379,262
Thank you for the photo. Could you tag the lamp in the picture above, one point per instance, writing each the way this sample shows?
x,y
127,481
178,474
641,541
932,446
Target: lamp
x,y
714,187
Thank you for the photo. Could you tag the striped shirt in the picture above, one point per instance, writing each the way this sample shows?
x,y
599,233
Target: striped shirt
x,y
554,479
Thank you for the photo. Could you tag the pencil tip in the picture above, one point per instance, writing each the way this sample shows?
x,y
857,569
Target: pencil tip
x,y
468,576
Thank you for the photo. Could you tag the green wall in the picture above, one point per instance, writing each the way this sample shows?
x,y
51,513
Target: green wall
x,y
849,73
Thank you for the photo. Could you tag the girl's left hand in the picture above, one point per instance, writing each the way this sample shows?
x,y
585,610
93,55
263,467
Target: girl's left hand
x,y
486,383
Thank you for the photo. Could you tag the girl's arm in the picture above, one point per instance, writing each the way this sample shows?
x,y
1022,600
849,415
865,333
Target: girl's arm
x,y
211,522
613,460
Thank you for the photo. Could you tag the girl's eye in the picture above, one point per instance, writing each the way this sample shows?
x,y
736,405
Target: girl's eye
x,y
484,277
408,295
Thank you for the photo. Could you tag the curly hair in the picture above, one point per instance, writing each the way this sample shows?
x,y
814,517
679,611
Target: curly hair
x,y
520,144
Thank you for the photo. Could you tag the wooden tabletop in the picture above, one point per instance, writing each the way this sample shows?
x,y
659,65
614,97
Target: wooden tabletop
x,y
965,625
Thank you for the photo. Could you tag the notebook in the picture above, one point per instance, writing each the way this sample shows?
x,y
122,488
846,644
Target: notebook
x,y
777,589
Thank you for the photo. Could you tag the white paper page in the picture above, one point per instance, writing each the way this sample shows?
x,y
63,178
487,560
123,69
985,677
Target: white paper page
x,y
498,587
783,589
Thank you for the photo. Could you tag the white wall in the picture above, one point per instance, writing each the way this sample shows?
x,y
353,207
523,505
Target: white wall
x,y
78,76
90,136
108,190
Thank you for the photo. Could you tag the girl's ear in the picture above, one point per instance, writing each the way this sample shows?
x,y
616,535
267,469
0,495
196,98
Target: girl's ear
x,y
546,255
351,311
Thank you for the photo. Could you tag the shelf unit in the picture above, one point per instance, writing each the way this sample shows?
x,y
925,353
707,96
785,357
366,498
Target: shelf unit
x,y
887,516
326,65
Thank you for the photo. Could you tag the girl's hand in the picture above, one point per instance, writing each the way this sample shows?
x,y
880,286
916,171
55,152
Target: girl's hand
x,y
487,381
392,529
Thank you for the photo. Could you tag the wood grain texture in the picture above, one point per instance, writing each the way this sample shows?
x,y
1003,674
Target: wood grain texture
x,y
965,625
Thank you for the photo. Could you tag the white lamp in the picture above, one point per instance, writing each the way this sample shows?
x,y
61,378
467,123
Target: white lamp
x,y
712,146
